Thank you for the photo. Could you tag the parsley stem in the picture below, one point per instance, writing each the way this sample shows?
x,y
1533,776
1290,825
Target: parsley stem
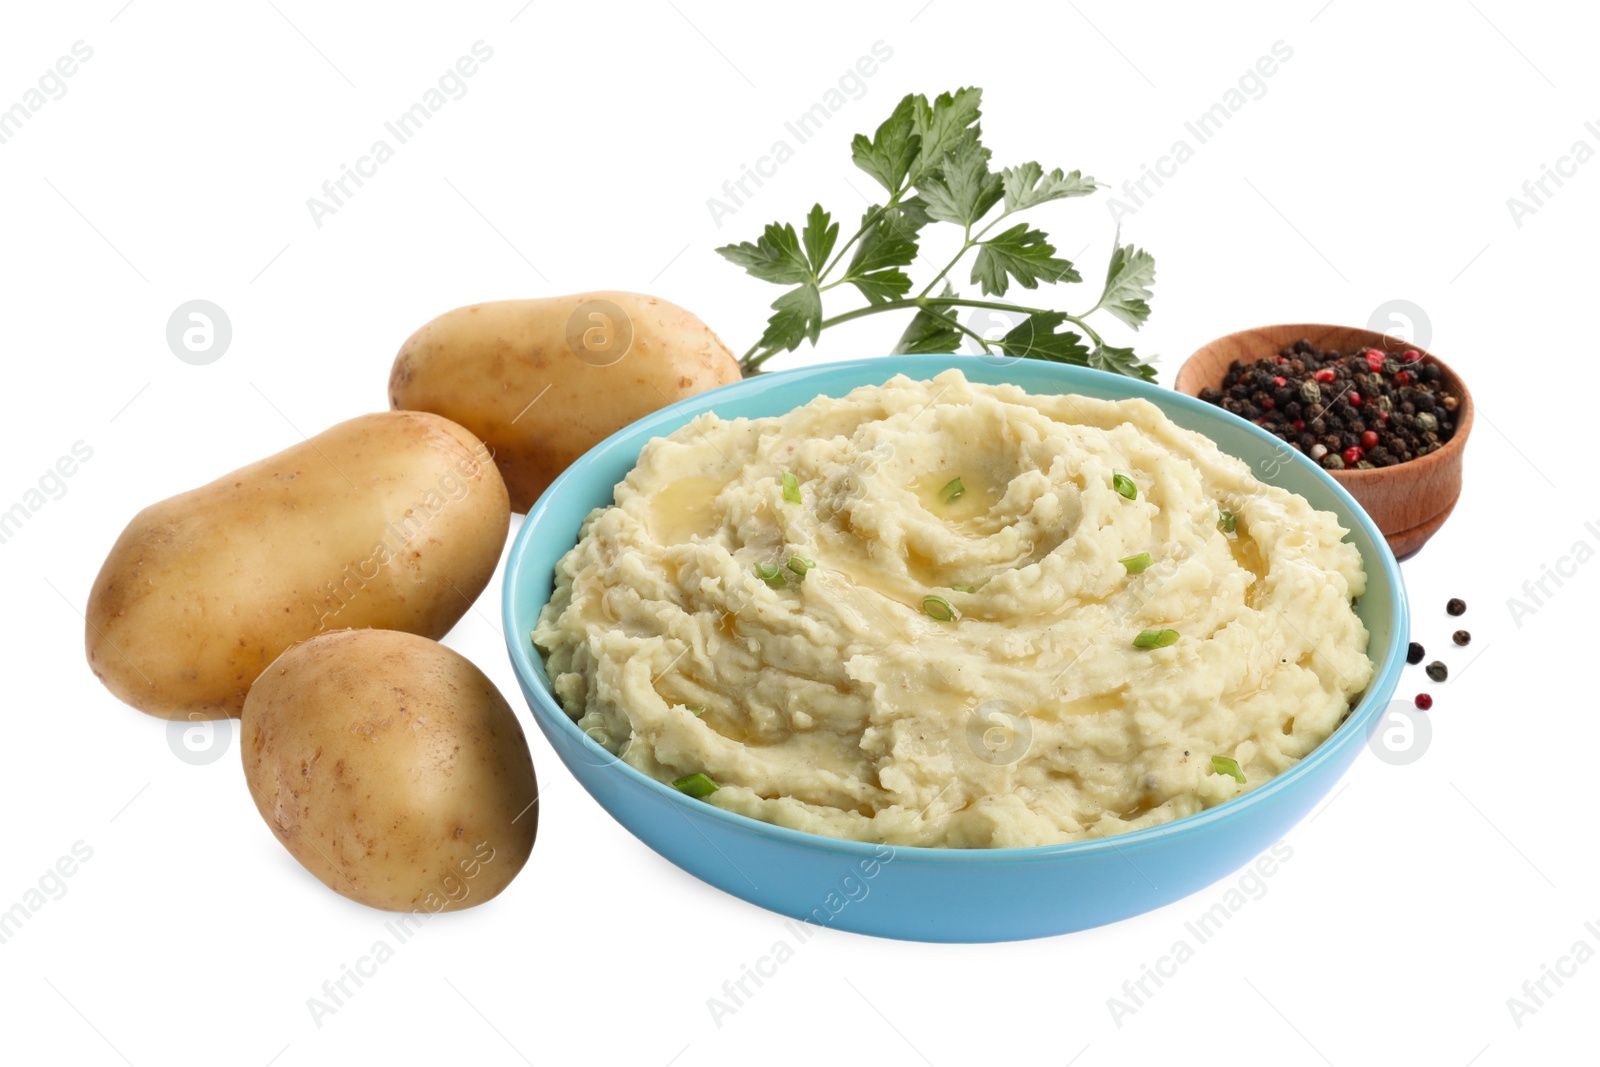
x,y
968,242
988,345
937,278
892,202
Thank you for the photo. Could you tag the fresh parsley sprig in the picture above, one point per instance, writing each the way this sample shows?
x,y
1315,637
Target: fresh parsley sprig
x,y
931,163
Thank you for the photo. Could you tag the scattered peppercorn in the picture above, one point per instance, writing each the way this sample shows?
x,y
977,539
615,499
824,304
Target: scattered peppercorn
x,y
1423,701
1415,653
1438,671
1461,637
1387,409
1456,606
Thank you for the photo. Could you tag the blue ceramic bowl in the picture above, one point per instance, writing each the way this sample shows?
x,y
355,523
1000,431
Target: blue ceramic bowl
x,y
929,894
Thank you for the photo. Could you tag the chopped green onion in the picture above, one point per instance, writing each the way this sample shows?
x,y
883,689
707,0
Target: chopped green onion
x,y
965,588
1226,522
1136,564
696,785
1229,766
938,607
1124,485
1155,639
769,573
696,710
951,491
799,564
791,488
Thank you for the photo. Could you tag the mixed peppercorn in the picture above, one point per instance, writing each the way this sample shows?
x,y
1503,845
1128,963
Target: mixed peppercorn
x,y
1437,670
1359,410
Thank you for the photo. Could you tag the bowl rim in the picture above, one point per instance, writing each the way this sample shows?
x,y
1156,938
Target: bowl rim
x,y
1422,467
549,714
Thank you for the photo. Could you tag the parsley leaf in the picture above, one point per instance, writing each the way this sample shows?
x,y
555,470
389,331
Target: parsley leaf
x,y
881,286
947,126
798,318
893,149
888,241
819,238
1019,253
931,330
964,191
1035,337
1128,280
1121,361
775,257
1028,185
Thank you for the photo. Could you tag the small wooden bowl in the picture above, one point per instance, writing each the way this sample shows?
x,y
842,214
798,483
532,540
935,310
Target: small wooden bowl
x,y
1409,501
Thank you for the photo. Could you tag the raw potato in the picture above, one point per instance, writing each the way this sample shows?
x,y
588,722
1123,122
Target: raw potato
x,y
393,520
543,381
392,769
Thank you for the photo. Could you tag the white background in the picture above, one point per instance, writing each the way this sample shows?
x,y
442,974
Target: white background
x,y
1376,167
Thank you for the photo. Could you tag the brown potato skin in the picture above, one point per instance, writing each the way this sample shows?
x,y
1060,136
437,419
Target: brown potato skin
x,y
393,520
483,364
392,769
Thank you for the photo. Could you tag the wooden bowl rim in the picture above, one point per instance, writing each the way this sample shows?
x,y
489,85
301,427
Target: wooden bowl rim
x,y
1443,456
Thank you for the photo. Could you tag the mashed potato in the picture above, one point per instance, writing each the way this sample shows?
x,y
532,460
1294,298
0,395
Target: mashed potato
x,y
683,635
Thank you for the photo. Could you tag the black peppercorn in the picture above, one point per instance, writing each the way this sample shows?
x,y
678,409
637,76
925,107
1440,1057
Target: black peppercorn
x,y
1415,653
1456,606
1461,637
